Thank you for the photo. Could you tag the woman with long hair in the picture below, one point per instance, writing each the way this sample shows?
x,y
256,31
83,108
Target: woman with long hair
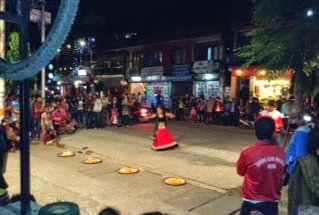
x,y
163,139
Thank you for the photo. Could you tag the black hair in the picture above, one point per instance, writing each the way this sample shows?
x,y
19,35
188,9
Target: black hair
x,y
109,211
264,128
313,144
154,213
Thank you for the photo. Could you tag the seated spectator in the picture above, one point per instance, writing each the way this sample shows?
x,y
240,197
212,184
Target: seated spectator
x,y
71,126
50,138
12,136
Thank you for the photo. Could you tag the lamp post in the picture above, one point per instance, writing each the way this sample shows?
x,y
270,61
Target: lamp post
x,y
42,40
2,55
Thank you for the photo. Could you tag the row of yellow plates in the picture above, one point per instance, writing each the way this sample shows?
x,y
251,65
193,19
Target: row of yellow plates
x,y
125,170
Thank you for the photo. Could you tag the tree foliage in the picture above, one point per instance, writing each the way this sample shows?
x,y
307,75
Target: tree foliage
x,y
285,37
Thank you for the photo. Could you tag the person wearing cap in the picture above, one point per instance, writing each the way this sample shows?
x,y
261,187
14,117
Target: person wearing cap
x,y
262,166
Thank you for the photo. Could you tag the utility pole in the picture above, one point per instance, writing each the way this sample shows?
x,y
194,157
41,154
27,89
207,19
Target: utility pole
x,y
2,55
42,40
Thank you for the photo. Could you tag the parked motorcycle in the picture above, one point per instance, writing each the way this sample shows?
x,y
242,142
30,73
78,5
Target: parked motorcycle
x,y
245,121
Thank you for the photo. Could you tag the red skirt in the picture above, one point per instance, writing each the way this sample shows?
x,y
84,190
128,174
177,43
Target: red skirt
x,y
164,140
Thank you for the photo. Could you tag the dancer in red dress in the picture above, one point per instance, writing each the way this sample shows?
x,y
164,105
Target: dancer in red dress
x,y
164,139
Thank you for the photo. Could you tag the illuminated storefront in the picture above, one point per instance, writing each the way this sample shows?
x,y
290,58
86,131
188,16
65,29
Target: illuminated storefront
x,y
206,79
256,83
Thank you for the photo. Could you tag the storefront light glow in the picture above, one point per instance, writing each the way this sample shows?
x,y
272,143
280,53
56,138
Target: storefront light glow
x,y
136,78
77,83
239,72
82,72
50,75
208,76
309,12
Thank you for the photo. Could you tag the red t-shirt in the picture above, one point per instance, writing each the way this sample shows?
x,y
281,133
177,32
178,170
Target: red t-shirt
x,y
262,166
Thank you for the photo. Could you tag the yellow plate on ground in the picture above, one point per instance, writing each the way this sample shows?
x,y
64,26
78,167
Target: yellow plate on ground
x,y
92,161
128,170
175,181
66,154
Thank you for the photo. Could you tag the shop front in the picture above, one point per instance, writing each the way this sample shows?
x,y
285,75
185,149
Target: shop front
x,y
206,79
252,82
110,80
151,84
181,80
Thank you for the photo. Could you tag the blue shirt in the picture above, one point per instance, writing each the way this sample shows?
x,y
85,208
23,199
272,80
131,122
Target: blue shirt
x,y
298,147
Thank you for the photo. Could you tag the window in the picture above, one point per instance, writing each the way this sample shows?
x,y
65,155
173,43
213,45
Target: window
x,y
209,53
137,60
179,56
155,59
206,53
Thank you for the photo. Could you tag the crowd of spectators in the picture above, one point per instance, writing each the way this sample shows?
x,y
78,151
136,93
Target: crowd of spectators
x,y
65,114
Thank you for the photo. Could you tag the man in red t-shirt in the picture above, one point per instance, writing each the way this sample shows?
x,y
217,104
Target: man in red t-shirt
x,y
262,166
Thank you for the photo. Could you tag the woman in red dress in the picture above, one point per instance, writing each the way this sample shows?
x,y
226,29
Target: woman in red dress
x,y
164,139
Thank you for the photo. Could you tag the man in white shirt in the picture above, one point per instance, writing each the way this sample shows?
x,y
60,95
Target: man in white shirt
x,y
97,110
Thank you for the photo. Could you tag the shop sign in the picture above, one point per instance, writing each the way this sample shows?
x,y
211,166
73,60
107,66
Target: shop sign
x,y
207,77
152,70
206,66
152,73
109,76
177,78
181,69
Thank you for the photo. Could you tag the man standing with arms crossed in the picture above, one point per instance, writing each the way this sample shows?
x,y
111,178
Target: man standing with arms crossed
x,y
262,166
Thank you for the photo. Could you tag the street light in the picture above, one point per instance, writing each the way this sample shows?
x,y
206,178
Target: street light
x,y
82,43
310,13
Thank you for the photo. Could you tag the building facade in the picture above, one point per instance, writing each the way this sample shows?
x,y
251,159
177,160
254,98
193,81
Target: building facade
x,y
175,67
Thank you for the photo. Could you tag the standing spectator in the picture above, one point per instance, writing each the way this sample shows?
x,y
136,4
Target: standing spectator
x,y
286,107
139,98
201,107
73,108
274,114
219,110
262,166
80,111
210,110
255,108
97,110
57,119
105,110
228,109
115,112
15,112
4,148
46,120
88,110
187,107
38,109
180,109
193,115
234,114
303,190
126,111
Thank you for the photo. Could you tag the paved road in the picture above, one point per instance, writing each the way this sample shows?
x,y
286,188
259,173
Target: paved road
x,y
206,159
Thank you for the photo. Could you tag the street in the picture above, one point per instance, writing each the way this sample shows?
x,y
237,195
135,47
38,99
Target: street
x,y
206,158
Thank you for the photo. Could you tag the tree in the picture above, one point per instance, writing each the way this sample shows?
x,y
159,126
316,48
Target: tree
x,y
13,54
285,37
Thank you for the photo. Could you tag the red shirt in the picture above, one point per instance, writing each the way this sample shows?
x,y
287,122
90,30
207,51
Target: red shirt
x,y
262,166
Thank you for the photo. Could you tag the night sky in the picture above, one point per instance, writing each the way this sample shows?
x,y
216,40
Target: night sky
x,y
108,20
